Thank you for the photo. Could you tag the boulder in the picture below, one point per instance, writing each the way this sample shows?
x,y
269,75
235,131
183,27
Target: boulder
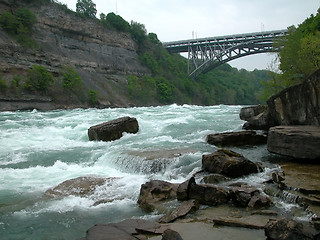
x,y
248,113
295,141
228,163
247,196
113,130
208,194
214,179
236,138
155,191
262,121
80,186
171,235
288,229
180,211
130,229
203,193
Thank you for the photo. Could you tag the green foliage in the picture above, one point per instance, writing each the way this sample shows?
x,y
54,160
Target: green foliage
x,y
87,8
148,59
3,85
300,54
38,79
71,78
19,25
115,21
92,97
142,89
164,90
138,32
153,38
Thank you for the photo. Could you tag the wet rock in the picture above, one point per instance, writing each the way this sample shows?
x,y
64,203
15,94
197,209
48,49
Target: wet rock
x,y
183,189
247,196
237,138
180,211
215,178
130,229
228,163
203,193
236,223
295,141
288,229
171,235
208,194
113,130
262,121
248,113
155,191
80,186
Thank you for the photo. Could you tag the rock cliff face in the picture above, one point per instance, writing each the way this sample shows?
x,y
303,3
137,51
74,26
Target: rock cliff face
x,y
297,105
102,57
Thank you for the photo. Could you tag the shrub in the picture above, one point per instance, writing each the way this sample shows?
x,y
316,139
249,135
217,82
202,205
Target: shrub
x,y
3,85
116,22
38,79
19,25
71,78
93,97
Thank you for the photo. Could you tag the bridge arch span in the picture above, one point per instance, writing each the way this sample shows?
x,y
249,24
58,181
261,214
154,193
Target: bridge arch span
x,y
206,54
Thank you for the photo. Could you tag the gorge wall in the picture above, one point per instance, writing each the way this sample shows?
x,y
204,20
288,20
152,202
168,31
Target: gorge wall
x,y
102,57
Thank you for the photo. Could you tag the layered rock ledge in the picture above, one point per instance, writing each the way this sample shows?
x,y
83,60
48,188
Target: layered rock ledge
x,y
295,141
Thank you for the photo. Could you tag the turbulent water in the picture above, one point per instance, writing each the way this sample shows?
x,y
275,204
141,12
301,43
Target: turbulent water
x,y
39,150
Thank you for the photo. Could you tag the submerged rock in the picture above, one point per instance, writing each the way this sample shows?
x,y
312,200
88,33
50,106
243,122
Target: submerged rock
x,y
113,130
228,163
155,191
295,141
237,138
80,186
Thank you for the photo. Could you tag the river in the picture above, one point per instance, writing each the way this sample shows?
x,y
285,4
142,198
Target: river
x,y
39,150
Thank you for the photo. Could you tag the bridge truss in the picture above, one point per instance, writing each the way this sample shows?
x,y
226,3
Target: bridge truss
x,y
204,54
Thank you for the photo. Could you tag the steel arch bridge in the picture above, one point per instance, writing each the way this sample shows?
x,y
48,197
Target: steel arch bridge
x,y
205,54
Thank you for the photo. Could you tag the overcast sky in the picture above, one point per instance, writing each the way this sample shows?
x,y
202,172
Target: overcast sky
x,y
175,20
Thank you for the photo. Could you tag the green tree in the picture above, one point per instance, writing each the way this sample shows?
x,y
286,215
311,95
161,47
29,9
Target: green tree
x,y
87,8
138,32
38,79
299,50
117,22
93,97
71,78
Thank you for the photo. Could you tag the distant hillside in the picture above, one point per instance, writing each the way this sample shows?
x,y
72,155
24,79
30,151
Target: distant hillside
x,y
100,63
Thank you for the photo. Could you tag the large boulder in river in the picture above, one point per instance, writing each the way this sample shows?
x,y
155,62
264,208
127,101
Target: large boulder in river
x,y
228,163
237,138
154,192
295,141
113,130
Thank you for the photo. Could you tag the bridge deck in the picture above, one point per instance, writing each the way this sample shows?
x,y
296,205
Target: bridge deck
x,y
182,45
